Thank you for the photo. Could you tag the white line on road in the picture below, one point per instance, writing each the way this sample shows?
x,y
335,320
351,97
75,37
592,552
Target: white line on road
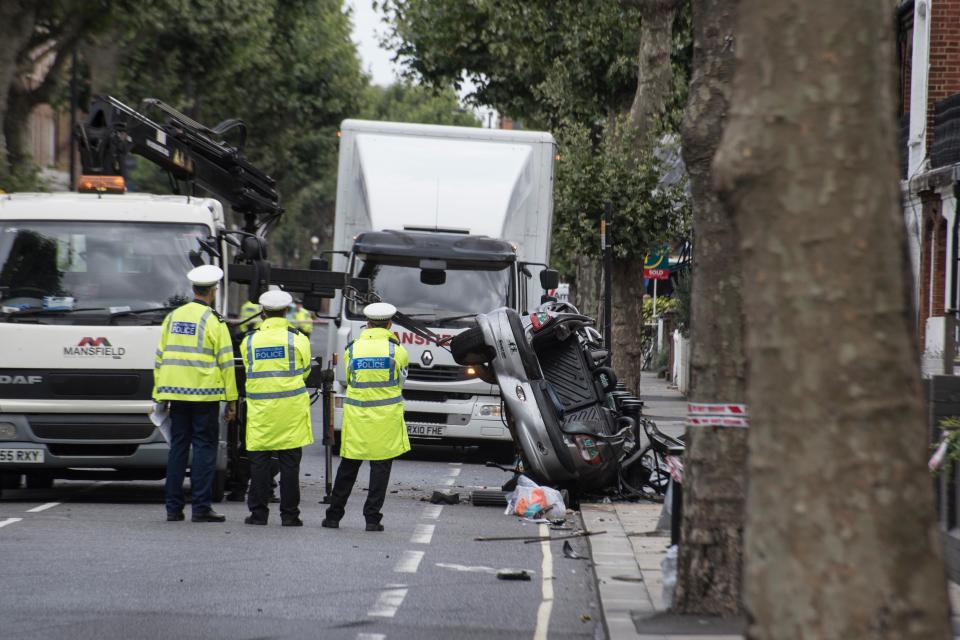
x,y
387,604
432,511
4,523
371,636
455,472
409,562
422,534
454,464
43,507
449,481
546,607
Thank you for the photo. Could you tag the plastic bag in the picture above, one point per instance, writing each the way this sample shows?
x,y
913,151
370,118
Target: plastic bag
x,y
669,568
530,500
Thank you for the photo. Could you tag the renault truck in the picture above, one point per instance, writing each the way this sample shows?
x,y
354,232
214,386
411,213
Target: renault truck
x,y
445,223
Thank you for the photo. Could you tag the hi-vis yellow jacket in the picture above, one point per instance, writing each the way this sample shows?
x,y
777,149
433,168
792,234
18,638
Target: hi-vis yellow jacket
x,y
373,426
195,357
276,361
303,320
248,310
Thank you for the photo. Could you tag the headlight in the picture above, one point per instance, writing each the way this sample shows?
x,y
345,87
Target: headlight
x,y
490,410
8,430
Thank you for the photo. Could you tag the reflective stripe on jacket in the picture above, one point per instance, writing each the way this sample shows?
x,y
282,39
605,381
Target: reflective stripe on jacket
x,y
276,362
373,426
194,360
248,310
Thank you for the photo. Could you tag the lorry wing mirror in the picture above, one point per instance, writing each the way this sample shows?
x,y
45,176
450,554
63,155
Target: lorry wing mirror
x,y
195,258
433,272
549,279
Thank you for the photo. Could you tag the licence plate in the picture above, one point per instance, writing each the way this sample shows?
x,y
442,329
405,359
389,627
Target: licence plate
x,y
21,456
432,430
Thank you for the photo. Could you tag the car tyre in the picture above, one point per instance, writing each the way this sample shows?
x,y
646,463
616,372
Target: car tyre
x,y
469,348
39,480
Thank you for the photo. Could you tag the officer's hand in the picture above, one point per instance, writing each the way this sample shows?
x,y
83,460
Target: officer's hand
x,y
231,411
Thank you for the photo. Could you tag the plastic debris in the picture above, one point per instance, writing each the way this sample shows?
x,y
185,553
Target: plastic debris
x,y
530,500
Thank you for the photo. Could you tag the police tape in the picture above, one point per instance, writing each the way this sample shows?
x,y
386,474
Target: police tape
x,y
717,414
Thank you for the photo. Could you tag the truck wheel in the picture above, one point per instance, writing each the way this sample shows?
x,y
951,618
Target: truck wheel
x,y
39,480
10,480
219,484
469,347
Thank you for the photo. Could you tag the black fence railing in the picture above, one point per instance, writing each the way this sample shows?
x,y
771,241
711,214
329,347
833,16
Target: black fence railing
x,y
945,150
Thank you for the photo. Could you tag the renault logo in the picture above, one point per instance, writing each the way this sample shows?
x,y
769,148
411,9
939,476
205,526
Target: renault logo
x,y
426,358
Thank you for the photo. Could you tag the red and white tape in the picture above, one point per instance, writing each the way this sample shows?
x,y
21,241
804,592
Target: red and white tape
x,y
717,414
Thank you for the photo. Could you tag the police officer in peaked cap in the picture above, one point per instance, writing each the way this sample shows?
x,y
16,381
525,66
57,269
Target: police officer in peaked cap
x,y
276,360
194,373
373,428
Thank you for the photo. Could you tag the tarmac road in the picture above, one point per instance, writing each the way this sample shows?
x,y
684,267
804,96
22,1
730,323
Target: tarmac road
x,y
98,560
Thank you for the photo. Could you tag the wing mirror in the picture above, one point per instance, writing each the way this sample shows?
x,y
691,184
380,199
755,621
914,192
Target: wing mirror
x,y
549,279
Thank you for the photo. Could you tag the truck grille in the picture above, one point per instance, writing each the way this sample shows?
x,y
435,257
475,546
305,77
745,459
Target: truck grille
x,y
439,373
419,417
434,396
92,450
94,384
53,431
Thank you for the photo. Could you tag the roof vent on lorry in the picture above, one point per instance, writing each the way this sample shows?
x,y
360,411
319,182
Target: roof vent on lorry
x,y
437,229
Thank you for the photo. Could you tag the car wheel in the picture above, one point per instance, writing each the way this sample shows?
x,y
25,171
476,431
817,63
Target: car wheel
x,y
470,347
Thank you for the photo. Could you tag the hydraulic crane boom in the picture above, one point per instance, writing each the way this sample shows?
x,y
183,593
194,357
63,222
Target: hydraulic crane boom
x,y
190,152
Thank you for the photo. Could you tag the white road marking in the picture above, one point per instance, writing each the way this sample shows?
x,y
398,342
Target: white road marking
x,y
432,511
409,562
371,636
4,523
449,481
389,601
546,606
43,507
422,534
455,472
455,464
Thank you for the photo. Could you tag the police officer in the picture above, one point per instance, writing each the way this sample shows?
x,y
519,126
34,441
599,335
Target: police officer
x,y
194,372
276,360
373,427
247,311
302,319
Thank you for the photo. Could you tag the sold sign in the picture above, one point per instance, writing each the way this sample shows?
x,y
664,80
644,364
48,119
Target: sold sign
x,y
656,274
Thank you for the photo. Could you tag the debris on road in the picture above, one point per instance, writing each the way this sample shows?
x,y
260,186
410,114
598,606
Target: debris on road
x,y
444,497
529,539
568,552
530,500
488,498
513,574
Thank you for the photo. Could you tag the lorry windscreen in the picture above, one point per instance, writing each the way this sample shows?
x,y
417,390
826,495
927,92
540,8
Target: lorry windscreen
x,y
466,290
73,265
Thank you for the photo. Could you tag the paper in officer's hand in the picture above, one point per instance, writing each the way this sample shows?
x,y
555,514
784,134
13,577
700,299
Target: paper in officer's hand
x,y
160,417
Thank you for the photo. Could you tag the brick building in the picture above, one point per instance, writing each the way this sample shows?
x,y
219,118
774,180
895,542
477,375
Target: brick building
x,y
928,39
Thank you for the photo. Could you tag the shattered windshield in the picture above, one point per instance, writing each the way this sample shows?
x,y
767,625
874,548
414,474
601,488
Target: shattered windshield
x,y
466,292
62,265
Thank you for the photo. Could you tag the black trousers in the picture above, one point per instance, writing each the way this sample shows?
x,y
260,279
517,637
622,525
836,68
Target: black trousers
x,y
343,485
258,498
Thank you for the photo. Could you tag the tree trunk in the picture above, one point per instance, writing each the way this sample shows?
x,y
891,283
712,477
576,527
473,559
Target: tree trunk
x,y
714,484
588,286
655,72
16,27
627,323
840,534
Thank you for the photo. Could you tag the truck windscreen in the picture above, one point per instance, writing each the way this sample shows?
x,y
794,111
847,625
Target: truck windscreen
x,y
466,291
73,265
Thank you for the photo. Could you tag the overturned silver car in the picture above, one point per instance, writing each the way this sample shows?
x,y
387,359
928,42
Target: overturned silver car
x,y
573,426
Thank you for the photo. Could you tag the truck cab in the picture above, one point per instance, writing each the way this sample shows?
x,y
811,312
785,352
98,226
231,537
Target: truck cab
x,y
85,282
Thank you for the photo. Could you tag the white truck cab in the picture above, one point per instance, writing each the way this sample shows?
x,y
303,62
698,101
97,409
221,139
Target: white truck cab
x,y
85,282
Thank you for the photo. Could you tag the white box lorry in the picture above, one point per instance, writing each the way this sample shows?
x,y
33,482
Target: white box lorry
x,y
445,222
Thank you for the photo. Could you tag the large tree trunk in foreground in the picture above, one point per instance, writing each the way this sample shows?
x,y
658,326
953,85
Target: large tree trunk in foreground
x,y
840,533
714,484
